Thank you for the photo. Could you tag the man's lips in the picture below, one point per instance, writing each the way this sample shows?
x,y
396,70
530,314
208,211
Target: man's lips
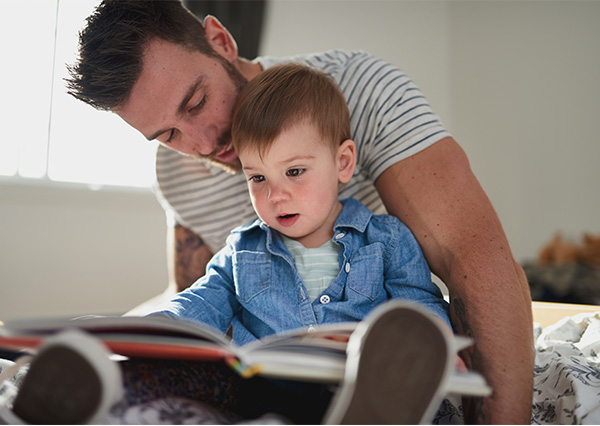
x,y
288,219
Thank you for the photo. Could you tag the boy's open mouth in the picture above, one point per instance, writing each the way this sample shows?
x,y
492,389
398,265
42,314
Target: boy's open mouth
x,y
288,219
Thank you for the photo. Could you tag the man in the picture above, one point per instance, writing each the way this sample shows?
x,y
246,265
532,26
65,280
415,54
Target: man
x,y
176,80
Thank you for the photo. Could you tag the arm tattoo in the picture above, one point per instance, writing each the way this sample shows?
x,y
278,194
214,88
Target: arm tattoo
x,y
191,256
185,247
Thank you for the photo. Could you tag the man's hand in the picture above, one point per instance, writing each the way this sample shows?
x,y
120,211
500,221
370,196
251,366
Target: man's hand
x,y
437,196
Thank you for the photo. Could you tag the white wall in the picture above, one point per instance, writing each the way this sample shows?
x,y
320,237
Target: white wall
x,y
515,82
526,85
410,34
73,251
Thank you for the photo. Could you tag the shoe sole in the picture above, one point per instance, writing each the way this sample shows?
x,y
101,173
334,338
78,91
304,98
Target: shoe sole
x,y
400,341
70,381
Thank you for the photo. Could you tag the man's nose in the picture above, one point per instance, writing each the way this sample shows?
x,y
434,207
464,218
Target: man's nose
x,y
198,139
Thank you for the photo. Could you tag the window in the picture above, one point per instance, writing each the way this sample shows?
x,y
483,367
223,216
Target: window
x,y
46,133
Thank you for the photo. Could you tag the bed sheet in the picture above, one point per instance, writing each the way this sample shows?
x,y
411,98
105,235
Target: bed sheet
x,y
567,372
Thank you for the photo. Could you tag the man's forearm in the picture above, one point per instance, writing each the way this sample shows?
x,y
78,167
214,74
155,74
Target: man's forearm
x,y
490,302
501,325
436,194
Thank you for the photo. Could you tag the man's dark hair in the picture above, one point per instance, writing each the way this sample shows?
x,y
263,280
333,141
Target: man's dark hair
x,y
112,44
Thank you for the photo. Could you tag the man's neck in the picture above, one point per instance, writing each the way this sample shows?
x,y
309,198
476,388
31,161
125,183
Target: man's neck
x,y
248,68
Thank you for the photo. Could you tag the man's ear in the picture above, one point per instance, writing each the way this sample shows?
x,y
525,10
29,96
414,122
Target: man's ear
x,y
346,160
220,39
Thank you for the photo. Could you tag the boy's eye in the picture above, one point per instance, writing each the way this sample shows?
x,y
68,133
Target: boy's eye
x,y
295,172
257,178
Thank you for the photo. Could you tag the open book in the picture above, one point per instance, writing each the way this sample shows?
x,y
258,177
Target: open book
x,y
316,355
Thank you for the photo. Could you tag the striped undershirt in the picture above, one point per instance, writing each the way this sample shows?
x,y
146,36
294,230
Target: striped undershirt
x,y
390,118
317,267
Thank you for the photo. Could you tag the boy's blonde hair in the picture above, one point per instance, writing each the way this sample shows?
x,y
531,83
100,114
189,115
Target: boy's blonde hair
x,y
285,95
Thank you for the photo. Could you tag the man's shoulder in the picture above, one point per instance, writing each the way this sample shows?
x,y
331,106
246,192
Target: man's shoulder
x,y
326,61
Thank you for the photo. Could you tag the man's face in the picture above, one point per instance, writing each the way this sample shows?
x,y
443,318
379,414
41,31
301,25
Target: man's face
x,y
184,99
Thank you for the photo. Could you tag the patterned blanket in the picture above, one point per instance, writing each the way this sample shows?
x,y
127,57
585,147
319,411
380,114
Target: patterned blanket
x,y
567,372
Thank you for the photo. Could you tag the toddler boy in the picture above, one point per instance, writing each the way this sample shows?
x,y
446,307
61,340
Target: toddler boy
x,y
309,258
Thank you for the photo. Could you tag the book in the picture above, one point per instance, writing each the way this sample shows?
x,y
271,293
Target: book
x,y
318,355
298,354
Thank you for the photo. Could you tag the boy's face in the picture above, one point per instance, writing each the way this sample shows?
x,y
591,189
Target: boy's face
x,y
294,186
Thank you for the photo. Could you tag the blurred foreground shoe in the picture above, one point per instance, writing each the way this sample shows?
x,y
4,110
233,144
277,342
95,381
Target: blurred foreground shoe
x,y
71,380
399,359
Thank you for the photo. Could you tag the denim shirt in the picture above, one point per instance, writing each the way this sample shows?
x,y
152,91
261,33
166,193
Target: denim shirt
x,y
252,283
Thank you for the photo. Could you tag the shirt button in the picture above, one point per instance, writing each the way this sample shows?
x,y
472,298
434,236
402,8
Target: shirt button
x,y
325,299
339,236
310,328
347,268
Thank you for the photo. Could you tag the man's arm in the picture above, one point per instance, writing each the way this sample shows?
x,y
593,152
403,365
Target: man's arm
x,y
188,256
437,196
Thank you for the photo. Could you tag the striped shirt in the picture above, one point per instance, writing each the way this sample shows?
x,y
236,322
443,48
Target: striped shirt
x,y
317,267
390,121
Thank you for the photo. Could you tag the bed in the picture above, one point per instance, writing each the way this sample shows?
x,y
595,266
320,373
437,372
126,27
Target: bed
x,y
567,366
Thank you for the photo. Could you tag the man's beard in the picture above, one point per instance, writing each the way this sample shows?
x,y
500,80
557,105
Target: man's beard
x,y
239,81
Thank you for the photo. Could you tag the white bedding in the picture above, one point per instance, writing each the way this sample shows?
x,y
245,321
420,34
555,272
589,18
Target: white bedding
x,y
567,372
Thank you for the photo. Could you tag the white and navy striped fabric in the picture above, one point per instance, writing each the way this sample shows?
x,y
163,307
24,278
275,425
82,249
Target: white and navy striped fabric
x,y
390,118
317,267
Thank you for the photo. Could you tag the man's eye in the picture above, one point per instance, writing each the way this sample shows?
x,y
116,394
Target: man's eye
x,y
171,134
199,105
167,136
258,178
295,172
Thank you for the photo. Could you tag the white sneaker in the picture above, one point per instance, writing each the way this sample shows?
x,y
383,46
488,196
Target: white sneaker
x,y
71,380
397,366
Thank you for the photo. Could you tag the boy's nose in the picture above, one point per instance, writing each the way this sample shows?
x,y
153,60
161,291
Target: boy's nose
x,y
277,193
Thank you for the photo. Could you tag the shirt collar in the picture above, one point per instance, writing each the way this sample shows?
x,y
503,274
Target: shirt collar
x,y
353,215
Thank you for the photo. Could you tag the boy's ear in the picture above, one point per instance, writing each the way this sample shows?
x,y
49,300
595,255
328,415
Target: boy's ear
x,y
220,39
346,160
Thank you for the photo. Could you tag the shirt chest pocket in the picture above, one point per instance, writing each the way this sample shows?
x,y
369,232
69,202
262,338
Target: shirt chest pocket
x,y
366,271
252,274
